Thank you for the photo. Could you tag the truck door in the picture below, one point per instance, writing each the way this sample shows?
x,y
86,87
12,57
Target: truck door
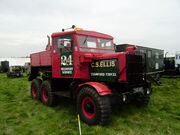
x,y
65,44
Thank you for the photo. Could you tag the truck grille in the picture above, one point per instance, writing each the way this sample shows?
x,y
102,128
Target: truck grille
x,y
134,68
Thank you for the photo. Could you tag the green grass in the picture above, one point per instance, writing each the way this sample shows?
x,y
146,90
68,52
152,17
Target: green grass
x,y
20,115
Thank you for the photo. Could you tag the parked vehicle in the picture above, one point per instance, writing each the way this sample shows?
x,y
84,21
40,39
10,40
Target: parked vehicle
x,y
172,64
83,65
177,60
15,71
153,60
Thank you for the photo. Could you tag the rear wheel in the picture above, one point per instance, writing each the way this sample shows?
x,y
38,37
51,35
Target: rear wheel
x,y
92,108
35,88
47,97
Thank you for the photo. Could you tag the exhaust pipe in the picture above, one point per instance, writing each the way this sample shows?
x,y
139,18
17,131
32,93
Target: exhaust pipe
x,y
48,40
48,46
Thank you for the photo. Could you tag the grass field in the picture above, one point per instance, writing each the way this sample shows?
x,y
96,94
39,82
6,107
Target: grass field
x,y
20,115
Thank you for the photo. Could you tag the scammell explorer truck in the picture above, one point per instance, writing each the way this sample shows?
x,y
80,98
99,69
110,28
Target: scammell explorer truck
x,y
84,66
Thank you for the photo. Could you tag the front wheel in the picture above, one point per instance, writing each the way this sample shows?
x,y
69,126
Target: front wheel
x,y
93,108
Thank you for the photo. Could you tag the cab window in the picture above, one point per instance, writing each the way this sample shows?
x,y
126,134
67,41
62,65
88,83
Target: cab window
x,y
65,43
86,41
105,44
92,44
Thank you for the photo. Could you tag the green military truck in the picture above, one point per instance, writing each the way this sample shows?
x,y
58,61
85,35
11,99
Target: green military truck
x,y
15,71
153,60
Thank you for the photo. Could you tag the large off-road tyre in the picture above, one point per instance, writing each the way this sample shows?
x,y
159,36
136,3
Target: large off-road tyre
x,y
35,88
47,97
93,108
143,100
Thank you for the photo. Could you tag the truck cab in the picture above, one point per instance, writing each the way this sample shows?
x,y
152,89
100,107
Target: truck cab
x,y
72,52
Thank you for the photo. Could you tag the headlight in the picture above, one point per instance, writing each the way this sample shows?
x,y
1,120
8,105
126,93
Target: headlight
x,y
124,98
148,91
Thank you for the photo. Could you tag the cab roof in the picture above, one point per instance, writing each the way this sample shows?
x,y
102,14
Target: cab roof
x,y
85,33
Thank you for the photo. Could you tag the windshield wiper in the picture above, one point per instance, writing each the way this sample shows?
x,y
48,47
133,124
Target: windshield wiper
x,y
85,40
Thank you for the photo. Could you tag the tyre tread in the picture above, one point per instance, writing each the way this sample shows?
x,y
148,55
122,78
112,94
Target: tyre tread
x,y
102,102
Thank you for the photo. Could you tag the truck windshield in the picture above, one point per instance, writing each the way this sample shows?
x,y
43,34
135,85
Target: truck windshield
x,y
92,44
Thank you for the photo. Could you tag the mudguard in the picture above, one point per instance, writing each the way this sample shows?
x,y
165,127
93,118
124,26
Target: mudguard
x,y
99,87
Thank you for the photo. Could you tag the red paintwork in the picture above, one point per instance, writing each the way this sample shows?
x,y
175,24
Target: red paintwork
x,y
88,56
131,49
81,59
56,65
88,100
84,32
99,87
41,58
34,91
45,94
122,67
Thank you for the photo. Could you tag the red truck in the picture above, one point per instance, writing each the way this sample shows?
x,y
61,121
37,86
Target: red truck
x,y
83,65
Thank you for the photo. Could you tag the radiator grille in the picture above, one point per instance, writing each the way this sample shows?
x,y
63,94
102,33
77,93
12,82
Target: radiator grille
x,y
134,68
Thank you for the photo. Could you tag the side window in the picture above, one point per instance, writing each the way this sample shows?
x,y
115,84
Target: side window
x,y
141,51
157,55
149,54
65,43
105,44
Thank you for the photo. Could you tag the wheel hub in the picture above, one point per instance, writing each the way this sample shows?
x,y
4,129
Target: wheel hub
x,y
88,107
34,90
45,94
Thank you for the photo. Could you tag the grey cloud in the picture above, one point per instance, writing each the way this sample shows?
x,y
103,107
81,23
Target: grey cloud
x,y
25,24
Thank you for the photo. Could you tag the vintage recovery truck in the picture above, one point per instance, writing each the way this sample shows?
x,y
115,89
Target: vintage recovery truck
x,y
83,65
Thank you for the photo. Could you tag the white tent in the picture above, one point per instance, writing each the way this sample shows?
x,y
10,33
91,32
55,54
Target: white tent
x,y
16,61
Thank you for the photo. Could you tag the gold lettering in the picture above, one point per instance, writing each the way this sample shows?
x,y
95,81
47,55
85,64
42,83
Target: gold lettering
x,y
92,64
97,64
101,64
107,63
110,63
113,64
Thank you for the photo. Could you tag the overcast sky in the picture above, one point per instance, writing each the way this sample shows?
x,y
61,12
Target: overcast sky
x,y
24,24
